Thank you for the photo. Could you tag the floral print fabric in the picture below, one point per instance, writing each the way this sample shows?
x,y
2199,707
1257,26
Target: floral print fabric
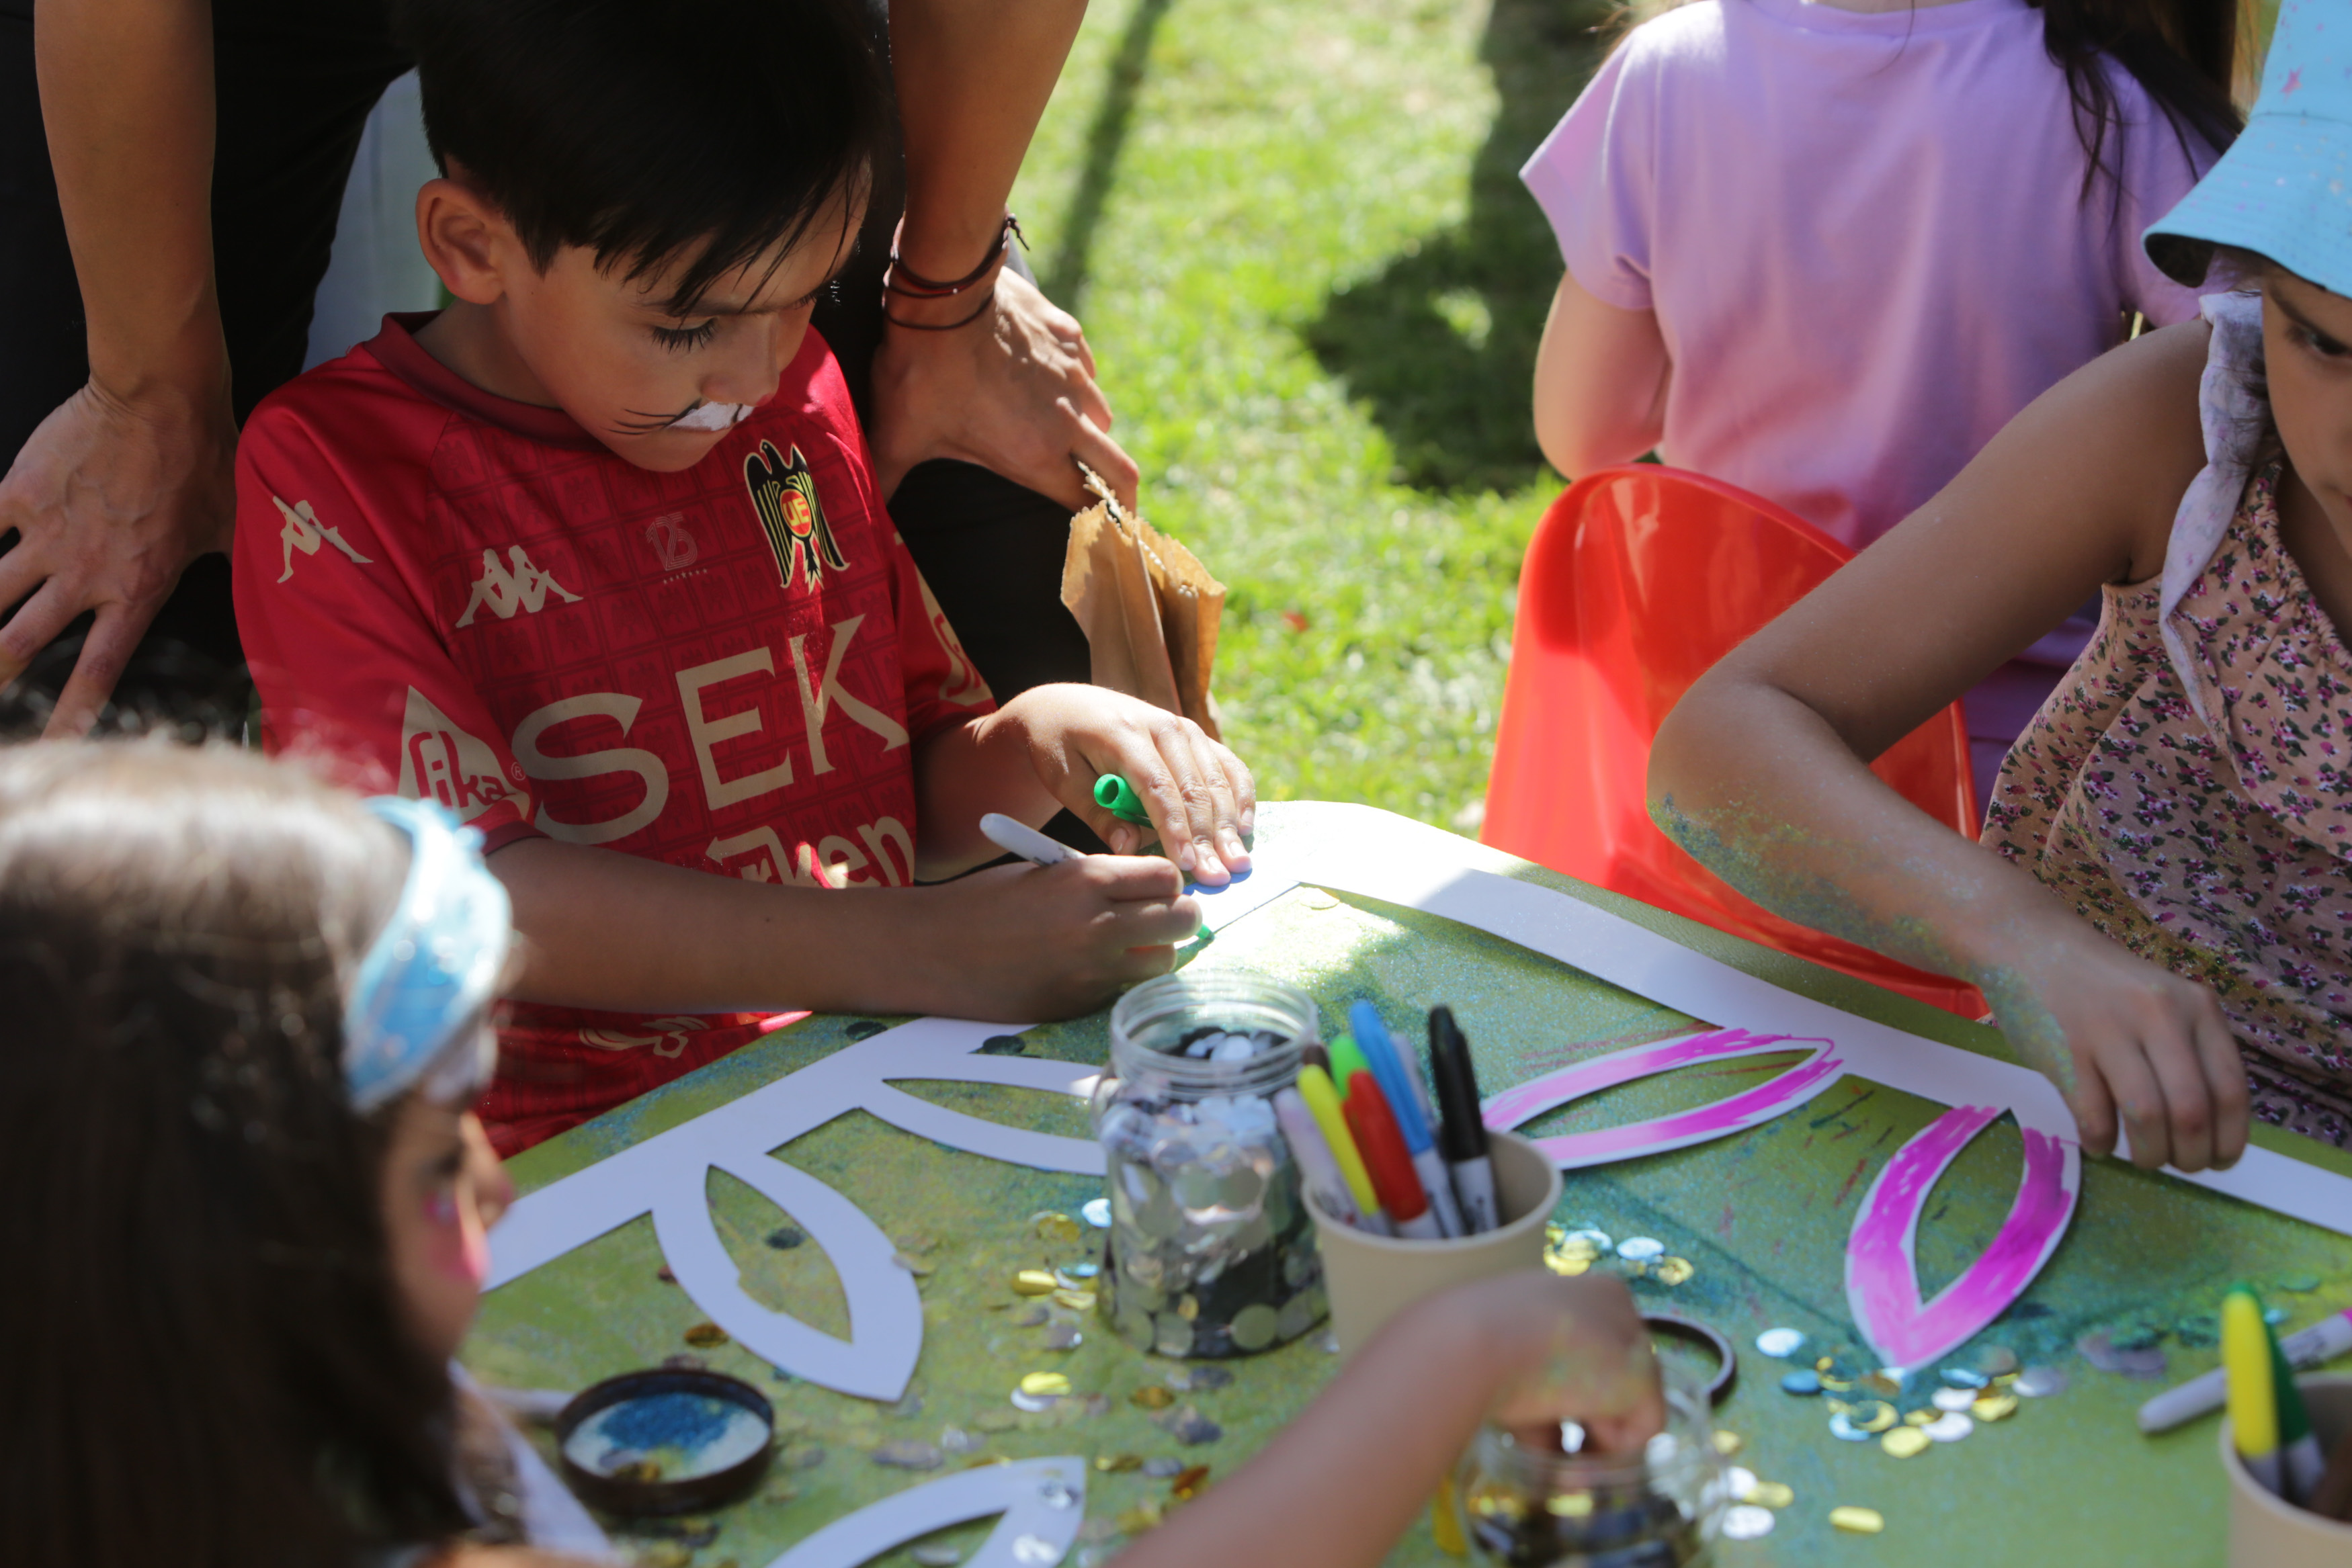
x,y
2218,850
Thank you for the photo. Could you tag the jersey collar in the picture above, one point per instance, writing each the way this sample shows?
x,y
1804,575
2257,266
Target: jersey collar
x,y
396,349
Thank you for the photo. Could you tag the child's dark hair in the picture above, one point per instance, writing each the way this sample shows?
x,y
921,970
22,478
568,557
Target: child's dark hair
x,y
2183,53
652,130
208,1363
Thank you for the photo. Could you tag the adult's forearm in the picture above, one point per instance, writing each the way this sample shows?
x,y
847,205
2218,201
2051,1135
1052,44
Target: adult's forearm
x,y
973,77
127,102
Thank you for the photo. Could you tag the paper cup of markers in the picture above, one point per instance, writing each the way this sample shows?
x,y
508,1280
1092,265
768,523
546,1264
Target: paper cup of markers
x,y
2266,1531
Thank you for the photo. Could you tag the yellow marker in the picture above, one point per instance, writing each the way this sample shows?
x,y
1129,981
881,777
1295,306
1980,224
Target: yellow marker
x,y
1323,1101
2254,1398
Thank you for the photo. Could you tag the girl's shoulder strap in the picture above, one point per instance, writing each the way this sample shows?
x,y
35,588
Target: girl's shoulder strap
x,y
2234,411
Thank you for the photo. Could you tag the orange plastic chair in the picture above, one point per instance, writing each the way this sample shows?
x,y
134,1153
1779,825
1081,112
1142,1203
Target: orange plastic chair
x,y
1638,579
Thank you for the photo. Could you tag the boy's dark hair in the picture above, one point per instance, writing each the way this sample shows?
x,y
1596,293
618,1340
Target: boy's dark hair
x,y
209,1360
650,131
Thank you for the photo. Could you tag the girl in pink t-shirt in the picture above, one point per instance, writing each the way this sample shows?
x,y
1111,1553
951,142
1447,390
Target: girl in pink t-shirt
x,y
1824,251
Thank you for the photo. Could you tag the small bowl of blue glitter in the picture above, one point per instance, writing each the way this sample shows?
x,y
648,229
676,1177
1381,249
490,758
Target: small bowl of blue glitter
x,y
665,1441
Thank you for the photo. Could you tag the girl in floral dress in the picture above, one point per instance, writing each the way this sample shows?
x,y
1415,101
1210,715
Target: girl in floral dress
x,y
2159,911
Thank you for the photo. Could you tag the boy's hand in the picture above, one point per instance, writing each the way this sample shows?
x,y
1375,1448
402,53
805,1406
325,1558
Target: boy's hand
x,y
1572,1350
1202,800
1043,942
2123,1039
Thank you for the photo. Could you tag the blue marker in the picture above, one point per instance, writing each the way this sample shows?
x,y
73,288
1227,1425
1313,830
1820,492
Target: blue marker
x,y
1411,1114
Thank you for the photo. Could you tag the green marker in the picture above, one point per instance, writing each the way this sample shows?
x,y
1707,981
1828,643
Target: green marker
x,y
1347,1058
2301,1463
1117,796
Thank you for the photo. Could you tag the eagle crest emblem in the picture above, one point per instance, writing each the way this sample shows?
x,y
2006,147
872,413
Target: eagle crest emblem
x,y
783,492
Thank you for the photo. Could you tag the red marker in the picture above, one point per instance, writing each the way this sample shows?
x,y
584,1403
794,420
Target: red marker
x,y
1381,1142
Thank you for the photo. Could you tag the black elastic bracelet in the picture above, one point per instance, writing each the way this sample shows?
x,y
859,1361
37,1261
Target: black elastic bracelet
x,y
943,326
1697,1333
915,286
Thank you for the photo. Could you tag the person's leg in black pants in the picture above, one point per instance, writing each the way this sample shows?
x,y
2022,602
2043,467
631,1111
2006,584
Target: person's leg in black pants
x,y
295,82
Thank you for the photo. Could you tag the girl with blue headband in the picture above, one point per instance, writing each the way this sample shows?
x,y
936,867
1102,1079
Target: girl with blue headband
x,y
2160,911
245,1016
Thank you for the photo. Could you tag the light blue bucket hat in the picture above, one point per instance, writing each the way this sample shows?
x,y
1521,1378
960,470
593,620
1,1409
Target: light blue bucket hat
x,y
2283,189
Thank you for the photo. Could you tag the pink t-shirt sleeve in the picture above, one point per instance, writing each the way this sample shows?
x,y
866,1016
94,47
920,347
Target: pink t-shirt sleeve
x,y
2159,169
1596,179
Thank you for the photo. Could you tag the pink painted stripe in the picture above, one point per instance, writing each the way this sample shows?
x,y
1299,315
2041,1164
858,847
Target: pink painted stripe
x,y
1528,1101
1882,1273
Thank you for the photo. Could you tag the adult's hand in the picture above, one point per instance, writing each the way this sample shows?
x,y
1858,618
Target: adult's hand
x,y
1013,391
111,500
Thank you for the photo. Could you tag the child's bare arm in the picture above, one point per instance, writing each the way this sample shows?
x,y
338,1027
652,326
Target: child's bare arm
x,y
1045,748
1337,1486
1762,770
605,929
1601,383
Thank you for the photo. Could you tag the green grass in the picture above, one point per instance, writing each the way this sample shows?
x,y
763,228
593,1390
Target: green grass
x,y
1314,286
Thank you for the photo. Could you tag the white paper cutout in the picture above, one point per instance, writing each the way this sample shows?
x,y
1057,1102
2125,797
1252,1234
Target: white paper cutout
x,y
668,1176
1043,1502
1378,854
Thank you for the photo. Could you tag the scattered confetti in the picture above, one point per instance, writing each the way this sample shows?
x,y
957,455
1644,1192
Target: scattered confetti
x,y
2147,1363
1152,1397
1054,1494
1189,1483
1994,1408
1994,1360
1641,1248
1191,1427
683,1361
1033,1282
1772,1494
1949,1428
784,1238
1143,1516
1118,1464
1064,1336
1059,1228
703,1336
1003,1045
1163,1468
1963,1378
1036,1552
1728,1442
1076,1301
1951,1400
1874,1415
1746,1521
1673,1271
906,1454
1038,1385
1878,1383
1858,1521
1801,1382
2040,1383
1843,1428
665,1276
1097,1212
1201,1377
956,1440
1780,1343
1738,1480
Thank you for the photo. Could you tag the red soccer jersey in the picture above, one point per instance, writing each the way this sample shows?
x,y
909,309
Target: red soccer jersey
x,y
474,600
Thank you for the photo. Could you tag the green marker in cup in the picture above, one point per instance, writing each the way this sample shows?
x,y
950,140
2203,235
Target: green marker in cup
x,y
1117,796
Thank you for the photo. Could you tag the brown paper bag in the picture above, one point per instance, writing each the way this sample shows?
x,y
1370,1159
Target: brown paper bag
x,y
1148,609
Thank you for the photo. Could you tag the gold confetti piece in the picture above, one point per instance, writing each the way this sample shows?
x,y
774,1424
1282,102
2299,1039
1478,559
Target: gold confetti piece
x,y
1118,1464
1033,1282
1673,1271
1878,1383
1188,1307
1076,1301
1771,1494
1825,1364
702,1337
1152,1397
1060,1229
1728,1442
1569,1505
1875,1416
1189,1483
1555,1233
1143,1516
1837,1406
1044,1384
1561,1263
1921,1418
1905,1442
1994,1408
1858,1521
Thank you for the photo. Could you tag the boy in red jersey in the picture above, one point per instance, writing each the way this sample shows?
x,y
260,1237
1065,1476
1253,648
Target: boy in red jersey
x,y
594,557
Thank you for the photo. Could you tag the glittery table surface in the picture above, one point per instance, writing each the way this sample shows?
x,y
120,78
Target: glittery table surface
x,y
1762,1216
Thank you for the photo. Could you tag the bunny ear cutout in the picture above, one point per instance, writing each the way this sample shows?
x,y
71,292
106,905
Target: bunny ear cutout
x,y
1041,1503
1882,1277
944,1058
885,1314
1736,1114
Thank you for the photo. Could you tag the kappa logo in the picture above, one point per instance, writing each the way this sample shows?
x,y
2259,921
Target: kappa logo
x,y
302,532
783,492
518,585
672,544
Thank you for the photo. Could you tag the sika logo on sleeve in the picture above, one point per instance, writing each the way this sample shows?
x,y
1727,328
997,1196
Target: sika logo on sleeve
x,y
439,761
783,492
302,532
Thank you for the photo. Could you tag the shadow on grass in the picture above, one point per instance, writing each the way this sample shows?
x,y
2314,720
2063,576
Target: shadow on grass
x,y
1067,278
1441,341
